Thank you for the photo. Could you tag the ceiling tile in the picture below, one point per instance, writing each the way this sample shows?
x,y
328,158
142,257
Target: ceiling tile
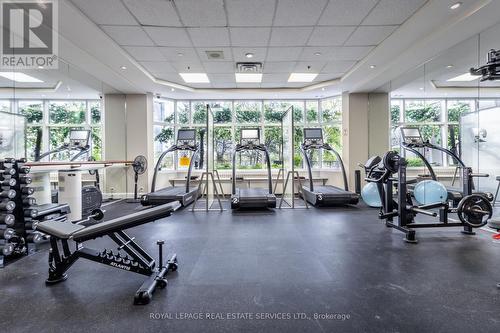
x,y
259,53
346,12
248,85
219,67
226,51
128,35
179,53
188,66
293,36
329,36
370,35
317,53
330,76
249,36
298,12
221,85
351,52
206,13
279,67
275,78
106,12
158,67
309,66
283,53
163,36
273,85
172,77
340,66
145,53
211,37
250,13
222,78
392,11
154,12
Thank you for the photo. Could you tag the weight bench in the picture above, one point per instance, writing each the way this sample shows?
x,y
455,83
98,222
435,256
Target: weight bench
x,y
60,260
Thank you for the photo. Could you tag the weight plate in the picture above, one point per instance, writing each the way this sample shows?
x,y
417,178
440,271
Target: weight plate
x,y
474,210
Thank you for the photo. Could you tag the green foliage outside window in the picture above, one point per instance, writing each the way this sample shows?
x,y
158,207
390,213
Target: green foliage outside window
x,y
67,113
33,111
247,112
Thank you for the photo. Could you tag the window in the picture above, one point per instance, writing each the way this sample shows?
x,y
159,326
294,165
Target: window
x,y
230,116
49,122
438,120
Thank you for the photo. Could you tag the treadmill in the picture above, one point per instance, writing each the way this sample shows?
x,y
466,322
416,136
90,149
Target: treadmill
x,y
412,140
78,144
328,195
186,141
259,198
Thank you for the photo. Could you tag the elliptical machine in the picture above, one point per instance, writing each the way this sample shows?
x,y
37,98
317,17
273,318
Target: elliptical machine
x,y
473,210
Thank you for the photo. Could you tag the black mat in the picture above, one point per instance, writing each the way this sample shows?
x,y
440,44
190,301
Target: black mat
x,y
340,261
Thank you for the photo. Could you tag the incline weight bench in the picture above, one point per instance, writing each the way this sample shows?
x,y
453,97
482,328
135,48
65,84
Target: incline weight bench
x,y
60,260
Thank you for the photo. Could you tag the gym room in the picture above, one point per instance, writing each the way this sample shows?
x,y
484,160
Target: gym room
x,y
250,166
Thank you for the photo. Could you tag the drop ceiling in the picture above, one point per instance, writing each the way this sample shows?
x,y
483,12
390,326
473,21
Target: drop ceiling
x,y
328,37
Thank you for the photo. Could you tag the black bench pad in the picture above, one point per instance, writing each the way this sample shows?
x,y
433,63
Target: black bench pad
x,y
80,233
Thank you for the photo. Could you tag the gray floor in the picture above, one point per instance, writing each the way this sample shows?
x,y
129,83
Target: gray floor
x,y
325,261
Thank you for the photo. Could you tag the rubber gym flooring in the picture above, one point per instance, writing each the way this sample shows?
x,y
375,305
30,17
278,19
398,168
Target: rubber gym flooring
x,y
271,265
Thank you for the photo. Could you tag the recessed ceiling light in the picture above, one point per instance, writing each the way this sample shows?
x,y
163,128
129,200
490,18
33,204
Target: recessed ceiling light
x,y
68,88
463,78
180,54
449,66
248,77
421,88
323,89
40,67
123,68
372,66
172,89
195,77
456,5
317,54
302,77
19,77
249,55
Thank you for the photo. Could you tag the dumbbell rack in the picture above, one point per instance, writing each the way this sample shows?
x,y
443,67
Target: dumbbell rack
x,y
17,211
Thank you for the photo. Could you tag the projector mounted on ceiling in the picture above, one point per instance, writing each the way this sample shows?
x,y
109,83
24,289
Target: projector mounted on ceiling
x,y
249,67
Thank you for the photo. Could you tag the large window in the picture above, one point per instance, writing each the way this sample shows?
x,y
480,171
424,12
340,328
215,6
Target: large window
x,y
49,123
230,116
438,120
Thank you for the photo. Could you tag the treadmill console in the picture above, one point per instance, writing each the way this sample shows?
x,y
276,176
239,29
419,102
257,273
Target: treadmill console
x,y
411,136
250,137
186,138
313,137
79,138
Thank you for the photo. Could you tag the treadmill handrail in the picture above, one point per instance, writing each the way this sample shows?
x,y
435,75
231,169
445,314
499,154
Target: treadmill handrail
x,y
81,150
304,148
173,148
261,147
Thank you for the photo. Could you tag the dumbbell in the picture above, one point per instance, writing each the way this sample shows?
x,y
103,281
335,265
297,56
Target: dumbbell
x,y
7,249
7,219
31,224
6,232
7,171
27,190
30,212
25,180
29,201
24,170
35,237
9,194
8,160
8,182
7,205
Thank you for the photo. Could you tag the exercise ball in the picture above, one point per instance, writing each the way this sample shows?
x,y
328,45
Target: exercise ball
x,y
370,195
429,192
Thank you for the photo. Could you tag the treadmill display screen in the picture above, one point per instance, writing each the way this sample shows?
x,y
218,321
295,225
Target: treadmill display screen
x,y
313,134
186,135
250,134
80,137
411,135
